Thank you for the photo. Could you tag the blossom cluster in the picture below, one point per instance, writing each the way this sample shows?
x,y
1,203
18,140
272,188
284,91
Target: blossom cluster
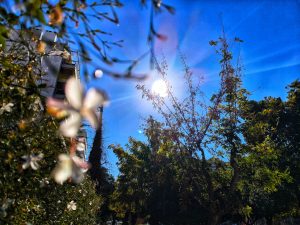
x,y
78,105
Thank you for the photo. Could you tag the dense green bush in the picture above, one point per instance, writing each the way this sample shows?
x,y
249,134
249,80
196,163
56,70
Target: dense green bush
x,y
28,194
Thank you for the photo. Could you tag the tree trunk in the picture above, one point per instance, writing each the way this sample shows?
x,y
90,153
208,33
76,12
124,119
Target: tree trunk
x,y
125,220
269,220
214,220
96,153
114,221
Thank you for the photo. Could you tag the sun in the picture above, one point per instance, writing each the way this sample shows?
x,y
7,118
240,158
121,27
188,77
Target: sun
x,y
159,87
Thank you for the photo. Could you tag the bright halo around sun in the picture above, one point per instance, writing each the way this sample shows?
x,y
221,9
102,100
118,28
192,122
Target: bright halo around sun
x,y
159,87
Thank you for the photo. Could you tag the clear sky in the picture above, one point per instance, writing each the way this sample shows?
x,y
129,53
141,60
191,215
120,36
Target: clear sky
x,y
270,30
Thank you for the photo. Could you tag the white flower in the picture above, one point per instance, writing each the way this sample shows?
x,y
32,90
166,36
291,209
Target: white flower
x,y
6,108
36,105
32,161
69,167
79,107
44,182
80,147
72,206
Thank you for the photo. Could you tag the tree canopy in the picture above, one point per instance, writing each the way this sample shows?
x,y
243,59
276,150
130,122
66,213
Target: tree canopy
x,y
232,159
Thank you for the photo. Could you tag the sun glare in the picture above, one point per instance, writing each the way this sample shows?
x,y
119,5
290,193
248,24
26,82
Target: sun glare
x,y
159,87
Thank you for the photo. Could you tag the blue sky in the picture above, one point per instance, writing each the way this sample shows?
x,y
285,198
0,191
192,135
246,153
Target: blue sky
x,y
270,53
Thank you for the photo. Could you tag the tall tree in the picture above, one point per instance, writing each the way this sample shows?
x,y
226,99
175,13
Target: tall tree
x,y
196,127
213,136
271,168
154,184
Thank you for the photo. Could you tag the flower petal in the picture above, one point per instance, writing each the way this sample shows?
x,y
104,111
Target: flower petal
x,y
25,165
8,107
71,125
80,147
63,170
74,92
34,165
72,205
55,103
79,168
40,156
94,98
80,163
77,174
57,108
91,116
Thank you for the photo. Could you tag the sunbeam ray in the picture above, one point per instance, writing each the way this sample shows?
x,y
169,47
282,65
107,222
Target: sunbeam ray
x,y
249,14
121,99
275,67
272,54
